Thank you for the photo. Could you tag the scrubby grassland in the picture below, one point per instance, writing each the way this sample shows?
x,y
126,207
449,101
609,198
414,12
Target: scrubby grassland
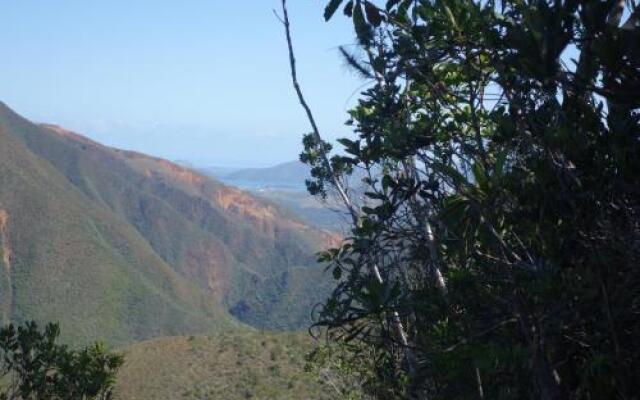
x,y
231,365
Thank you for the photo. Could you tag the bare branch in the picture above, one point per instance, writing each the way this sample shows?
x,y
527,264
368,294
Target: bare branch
x,y
395,316
316,132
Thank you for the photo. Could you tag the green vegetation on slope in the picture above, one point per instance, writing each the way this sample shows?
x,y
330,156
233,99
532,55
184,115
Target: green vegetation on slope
x,y
75,262
150,247
230,365
286,297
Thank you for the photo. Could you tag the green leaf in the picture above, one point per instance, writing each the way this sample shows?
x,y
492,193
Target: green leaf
x,y
387,182
337,273
363,30
331,9
348,9
499,166
480,175
391,4
368,210
451,172
373,14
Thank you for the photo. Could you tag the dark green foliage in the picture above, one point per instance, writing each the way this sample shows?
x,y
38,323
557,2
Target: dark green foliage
x,y
34,366
502,140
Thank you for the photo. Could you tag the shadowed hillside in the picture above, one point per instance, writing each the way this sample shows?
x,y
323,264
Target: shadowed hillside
x,y
120,245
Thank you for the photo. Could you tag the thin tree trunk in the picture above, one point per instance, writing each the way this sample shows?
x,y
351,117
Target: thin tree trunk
x,y
395,316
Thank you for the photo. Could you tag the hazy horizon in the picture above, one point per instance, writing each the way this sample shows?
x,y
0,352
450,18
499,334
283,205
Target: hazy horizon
x,y
207,82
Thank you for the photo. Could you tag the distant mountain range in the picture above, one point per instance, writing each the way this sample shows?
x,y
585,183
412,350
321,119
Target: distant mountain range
x,y
284,185
121,246
289,175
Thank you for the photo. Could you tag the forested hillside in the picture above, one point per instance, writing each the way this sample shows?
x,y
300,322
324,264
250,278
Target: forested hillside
x,y
150,247
231,365
488,199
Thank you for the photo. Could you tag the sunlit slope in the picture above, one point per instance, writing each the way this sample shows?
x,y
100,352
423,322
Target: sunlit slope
x,y
124,230
66,258
229,366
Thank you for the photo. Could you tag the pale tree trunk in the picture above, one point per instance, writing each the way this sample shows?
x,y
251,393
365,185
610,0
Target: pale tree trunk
x,y
396,322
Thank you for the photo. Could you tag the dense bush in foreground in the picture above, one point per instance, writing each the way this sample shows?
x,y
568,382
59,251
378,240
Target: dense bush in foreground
x,y
34,366
495,252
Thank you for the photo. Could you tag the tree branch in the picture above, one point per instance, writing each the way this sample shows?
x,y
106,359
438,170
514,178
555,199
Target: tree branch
x,y
316,132
395,316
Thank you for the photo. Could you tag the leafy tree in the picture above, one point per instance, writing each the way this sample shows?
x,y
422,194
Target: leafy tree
x,y
34,366
495,247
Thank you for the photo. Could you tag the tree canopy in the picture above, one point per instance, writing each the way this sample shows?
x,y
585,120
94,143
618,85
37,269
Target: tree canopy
x,y
34,366
495,246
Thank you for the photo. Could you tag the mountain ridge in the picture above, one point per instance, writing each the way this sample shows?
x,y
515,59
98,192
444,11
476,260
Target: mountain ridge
x,y
147,232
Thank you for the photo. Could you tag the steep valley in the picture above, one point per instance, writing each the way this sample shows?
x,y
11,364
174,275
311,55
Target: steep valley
x,y
122,247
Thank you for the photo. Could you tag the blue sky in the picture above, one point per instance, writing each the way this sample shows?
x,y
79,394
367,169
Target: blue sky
x,y
205,81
